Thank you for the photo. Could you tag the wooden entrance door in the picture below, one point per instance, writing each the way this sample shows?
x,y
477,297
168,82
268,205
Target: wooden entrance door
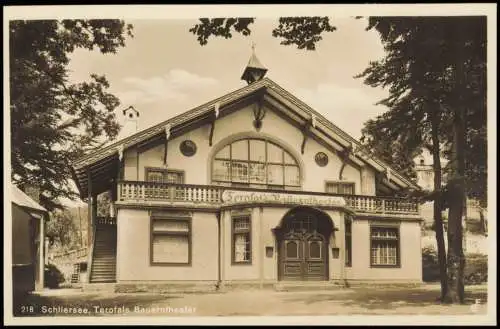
x,y
303,256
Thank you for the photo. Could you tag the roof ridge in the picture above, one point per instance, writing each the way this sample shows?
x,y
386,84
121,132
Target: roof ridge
x,y
173,119
342,132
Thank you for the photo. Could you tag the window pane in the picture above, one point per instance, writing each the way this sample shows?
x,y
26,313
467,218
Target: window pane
x,y
170,249
239,150
224,153
292,176
239,171
154,176
174,177
221,170
257,150
257,173
275,174
347,188
292,249
315,249
169,225
241,247
332,188
384,252
241,224
289,159
274,153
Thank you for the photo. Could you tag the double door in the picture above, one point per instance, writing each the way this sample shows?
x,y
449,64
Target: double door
x,y
303,256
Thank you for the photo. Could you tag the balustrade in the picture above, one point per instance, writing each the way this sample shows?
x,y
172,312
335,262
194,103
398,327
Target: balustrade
x,y
208,194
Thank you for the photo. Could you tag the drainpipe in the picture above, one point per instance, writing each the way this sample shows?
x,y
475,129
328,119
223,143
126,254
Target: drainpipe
x,y
341,244
41,255
219,254
261,246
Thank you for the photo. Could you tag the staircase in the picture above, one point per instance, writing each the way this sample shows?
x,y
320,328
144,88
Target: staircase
x,y
104,256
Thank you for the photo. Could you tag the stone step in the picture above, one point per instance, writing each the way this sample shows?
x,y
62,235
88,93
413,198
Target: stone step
x,y
307,285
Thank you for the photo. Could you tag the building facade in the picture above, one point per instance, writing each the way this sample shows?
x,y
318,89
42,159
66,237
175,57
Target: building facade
x,y
254,187
28,242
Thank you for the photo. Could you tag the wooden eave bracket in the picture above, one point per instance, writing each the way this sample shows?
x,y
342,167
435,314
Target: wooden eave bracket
x,y
212,127
311,123
167,136
344,157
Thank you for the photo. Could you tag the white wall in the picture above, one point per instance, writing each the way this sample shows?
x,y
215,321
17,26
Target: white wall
x,y
411,254
197,168
134,242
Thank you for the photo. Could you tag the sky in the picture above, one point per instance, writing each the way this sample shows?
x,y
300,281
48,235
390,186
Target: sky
x,y
163,71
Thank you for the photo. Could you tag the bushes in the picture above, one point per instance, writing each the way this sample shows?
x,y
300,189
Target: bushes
x,y
476,267
53,277
430,265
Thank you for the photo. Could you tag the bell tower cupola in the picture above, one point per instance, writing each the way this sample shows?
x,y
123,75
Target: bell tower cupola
x,y
254,71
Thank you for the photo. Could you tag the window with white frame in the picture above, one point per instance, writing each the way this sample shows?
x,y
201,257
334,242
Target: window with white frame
x,y
241,236
170,240
339,187
384,246
255,163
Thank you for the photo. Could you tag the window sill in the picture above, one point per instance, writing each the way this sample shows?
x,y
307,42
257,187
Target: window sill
x,y
385,266
241,263
171,264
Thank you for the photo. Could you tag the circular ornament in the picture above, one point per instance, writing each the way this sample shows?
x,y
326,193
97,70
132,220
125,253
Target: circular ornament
x,y
188,148
321,159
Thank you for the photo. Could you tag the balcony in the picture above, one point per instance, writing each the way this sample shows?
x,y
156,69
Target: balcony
x,y
140,192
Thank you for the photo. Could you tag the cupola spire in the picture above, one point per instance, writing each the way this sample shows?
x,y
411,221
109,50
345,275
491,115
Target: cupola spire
x,y
254,71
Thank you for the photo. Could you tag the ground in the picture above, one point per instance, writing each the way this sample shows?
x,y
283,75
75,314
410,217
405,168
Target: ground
x,y
347,301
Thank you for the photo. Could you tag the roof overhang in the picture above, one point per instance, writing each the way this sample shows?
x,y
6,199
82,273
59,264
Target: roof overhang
x,y
101,167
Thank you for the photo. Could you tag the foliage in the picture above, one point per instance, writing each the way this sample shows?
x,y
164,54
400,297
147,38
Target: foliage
x,y
62,230
476,267
53,120
53,276
303,32
103,203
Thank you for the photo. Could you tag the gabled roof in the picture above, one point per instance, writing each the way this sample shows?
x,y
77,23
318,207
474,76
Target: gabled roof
x,y
21,199
107,156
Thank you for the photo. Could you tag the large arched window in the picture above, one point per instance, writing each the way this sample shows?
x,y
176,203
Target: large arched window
x,y
256,163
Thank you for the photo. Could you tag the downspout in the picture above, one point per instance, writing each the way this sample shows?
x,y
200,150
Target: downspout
x,y
41,255
219,280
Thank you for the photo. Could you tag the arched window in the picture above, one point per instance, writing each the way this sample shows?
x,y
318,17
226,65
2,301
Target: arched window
x,y
255,163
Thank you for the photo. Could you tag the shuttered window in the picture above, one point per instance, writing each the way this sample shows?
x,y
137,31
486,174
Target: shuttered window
x,y
170,240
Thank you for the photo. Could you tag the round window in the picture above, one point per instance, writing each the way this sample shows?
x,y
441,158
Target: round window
x,y
188,148
321,159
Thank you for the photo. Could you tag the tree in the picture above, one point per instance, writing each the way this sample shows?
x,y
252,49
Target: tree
x,y
437,100
54,121
304,32
61,230
429,90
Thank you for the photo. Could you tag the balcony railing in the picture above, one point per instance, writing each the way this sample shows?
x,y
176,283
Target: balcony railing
x,y
151,191
140,191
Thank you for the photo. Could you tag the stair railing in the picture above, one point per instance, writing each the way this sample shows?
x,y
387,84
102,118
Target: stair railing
x,y
91,254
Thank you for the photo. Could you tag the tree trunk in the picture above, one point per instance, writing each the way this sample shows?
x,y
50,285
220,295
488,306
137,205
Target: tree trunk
x,y
438,218
456,259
